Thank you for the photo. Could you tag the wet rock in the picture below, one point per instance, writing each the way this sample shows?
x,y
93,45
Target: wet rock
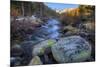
x,y
71,49
36,37
89,26
23,51
39,49
35,20
27,46
70,30
48,58
35,61
15,61
16,50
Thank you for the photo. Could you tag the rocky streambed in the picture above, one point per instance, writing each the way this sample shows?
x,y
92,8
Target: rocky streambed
x,y
48,45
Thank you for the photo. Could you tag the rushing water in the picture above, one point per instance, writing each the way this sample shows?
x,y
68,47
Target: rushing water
x,y
49,30
52,27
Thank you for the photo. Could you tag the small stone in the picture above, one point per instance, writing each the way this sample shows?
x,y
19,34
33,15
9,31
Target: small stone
x,y
35,61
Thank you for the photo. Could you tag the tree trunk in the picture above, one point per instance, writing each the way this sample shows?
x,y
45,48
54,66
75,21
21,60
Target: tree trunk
x,y
22,9
29,6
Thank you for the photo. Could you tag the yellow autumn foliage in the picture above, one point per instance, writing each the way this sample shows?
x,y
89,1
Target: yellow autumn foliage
x,y
73,12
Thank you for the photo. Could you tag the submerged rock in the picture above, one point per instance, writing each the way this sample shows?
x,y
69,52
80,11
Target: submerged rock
x,y
39,49
35,61
71,49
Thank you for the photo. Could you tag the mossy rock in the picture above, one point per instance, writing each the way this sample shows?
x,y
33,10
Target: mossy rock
x,y
39,49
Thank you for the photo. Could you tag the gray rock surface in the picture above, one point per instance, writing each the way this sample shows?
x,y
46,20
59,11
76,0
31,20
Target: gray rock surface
x,y
71,49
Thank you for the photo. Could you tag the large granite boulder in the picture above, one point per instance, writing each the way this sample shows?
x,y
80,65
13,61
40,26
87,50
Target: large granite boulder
x,y
71,49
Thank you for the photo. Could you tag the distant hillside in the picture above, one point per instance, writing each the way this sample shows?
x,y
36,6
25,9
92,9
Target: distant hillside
x,y
82,14
68,10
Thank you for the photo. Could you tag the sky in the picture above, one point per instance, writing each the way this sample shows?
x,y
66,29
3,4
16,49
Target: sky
x,y
60,6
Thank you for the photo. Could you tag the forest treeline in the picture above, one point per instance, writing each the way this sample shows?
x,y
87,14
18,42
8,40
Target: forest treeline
x,y
24,8
81,14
